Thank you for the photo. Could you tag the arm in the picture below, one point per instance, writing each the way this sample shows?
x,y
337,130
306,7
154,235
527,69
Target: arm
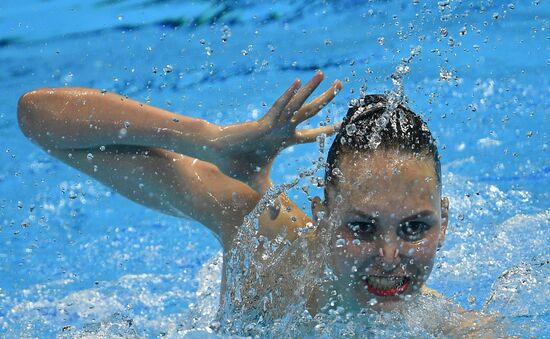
x,y
173,163
72,117
81,127
168,182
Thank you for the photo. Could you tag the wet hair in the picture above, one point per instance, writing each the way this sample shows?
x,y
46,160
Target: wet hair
x,y
375,123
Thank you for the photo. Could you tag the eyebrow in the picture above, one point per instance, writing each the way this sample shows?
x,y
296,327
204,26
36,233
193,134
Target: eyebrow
x,y
419,215
362,214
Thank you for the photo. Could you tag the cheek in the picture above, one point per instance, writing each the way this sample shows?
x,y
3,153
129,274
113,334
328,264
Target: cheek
x,y
423,251
348,252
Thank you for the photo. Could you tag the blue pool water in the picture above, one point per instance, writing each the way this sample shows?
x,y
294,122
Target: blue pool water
x,y
77,258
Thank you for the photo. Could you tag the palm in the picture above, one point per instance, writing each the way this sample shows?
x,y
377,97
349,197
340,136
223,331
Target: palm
x,y
247,150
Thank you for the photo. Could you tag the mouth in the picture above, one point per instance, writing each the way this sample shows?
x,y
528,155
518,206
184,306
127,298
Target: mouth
x,y
387,286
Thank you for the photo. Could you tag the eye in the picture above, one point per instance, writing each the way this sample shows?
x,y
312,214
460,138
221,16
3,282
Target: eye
x,y
413,230
363,230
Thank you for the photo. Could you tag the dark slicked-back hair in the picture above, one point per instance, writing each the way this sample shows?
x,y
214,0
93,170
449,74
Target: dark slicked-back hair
x,y
375,123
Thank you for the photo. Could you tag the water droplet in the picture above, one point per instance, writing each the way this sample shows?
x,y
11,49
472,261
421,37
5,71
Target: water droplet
x,y
403,69
19,204
320,215
102,148
340,243
374,141
226,33
511,6
122,133
445,75
381,41
90,156
319,327
356,242
451,41
167,69
351,129
215,325
126,124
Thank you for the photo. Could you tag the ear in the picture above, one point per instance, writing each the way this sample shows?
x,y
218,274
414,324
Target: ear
x,y
274,209
317,206
444,219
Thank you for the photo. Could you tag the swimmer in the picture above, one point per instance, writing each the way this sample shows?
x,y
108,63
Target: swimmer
x,y
382,198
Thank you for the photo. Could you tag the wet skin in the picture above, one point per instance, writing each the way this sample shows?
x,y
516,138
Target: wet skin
x,y
388,219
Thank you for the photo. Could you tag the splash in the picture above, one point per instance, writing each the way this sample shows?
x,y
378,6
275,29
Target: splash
x,y
395,97
117,325
529,280
269,281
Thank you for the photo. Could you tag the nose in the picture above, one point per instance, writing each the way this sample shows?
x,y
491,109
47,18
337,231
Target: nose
x,y
389,256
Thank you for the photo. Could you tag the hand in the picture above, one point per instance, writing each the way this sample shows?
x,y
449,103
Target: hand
x,y
246,151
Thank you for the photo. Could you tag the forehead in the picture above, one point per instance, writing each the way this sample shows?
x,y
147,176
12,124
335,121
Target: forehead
x,y
386,182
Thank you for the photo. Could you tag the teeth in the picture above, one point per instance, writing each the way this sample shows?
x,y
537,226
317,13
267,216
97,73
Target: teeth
x,y
385,282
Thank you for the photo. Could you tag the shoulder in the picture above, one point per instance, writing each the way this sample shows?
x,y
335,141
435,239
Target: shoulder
x,y
284,218
431,292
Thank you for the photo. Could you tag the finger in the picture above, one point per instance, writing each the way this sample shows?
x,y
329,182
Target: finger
x,y
310,109
279,105
310,135
300,97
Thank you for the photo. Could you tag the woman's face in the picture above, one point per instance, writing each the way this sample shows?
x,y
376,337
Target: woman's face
x,y
385,213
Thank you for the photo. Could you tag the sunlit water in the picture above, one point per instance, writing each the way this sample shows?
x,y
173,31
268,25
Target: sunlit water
x,y
78,260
